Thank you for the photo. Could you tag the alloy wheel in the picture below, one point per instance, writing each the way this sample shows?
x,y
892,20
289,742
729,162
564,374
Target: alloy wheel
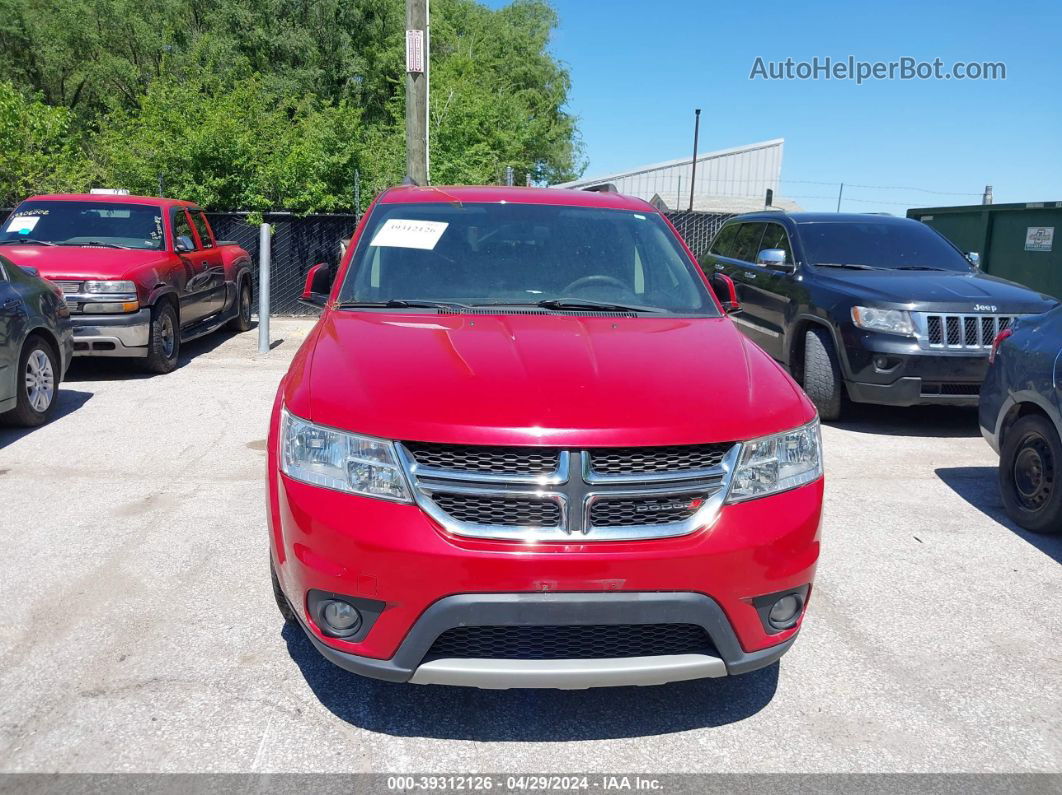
x,y
40,381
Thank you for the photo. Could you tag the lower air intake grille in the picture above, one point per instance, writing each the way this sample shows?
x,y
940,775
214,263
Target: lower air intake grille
x,y
570,642
930,388
506,511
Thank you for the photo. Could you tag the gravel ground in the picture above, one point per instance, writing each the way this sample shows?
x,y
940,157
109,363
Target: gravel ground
x,y
139,632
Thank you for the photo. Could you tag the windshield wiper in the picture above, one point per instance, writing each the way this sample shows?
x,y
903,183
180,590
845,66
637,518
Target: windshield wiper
x,y
27,242
401,303
574,304
850,265
91,243
918,268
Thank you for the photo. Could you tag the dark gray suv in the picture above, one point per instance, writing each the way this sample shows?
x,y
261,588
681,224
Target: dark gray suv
x,y
1020,417
36,345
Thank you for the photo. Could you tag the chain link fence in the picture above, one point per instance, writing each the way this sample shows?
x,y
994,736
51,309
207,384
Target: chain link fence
x,y
697,229
298,243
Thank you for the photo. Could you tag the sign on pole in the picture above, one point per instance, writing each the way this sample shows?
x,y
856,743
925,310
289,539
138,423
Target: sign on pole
x,y
415,51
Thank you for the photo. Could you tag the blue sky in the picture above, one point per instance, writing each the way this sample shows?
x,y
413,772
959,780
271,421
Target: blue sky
x,y
639,67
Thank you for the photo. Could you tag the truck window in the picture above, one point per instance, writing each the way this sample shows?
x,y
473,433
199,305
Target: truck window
x,y
181,227
201,226
723,245
747,243
775,237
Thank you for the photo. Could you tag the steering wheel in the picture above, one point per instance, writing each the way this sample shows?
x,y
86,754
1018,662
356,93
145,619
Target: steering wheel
x,y
589,281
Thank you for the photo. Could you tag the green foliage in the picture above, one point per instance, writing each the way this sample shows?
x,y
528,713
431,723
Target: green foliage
x,y
274,104
39,150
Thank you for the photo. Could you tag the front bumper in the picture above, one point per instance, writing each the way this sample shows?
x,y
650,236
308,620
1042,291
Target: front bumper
x,y
910,376
112,335
564,609
426,580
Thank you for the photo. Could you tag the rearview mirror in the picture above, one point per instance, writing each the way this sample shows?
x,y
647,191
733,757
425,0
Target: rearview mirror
x,y
318,286
773,258
726,292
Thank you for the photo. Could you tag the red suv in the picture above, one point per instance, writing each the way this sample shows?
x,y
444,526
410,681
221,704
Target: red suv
x,y
524,446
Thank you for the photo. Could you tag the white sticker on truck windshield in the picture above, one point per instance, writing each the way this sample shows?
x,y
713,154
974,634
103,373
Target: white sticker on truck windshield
x,y
23,225
399,233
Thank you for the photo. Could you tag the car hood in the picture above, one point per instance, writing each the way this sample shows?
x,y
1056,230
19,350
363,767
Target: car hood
x,y
543,379
931,290
83,262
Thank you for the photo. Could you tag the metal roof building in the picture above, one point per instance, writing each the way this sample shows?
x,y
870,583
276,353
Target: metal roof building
x,y
728,180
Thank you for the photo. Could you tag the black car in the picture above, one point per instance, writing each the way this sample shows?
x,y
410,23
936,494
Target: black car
x,y
876,308
1020,418
36,345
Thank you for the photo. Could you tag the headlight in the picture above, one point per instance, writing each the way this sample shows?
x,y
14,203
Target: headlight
x,y
891,321
341,461
110,287
777,463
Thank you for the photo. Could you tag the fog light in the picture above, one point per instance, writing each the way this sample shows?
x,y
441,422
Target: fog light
x,y
341,618
784,612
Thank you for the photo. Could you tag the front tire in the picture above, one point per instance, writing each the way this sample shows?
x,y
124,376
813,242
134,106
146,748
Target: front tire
x,y
278,594
822,373
242,321
38,385
164,342
1030,474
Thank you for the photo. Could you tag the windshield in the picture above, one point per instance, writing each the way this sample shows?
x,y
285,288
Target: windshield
x,y
878,244
523,254
86,223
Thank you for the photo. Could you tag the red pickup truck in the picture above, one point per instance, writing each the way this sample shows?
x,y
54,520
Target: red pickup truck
x,y
526,446
141,275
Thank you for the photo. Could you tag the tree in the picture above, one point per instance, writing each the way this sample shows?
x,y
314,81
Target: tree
x,y
39,148
273,104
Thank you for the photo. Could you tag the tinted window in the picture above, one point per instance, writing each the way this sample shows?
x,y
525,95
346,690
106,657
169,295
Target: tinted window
x,y
76,223
723,245
775,237
520,254
204,231
879,244
181,227
747,243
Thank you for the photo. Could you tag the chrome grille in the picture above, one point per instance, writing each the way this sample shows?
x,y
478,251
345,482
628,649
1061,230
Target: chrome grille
x,y
476,458
640,460
570,641
505,511
67,287
958,332
551,494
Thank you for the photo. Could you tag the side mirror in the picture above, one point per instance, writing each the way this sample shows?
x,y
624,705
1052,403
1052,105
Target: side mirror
x,y
725,290
318,286
974,257
773,258
184,243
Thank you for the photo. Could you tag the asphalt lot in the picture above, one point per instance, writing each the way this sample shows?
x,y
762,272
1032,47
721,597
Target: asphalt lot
x,y
139,632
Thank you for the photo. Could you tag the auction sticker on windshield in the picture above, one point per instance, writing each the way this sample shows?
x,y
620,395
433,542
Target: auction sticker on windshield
x,y
399,233
23,225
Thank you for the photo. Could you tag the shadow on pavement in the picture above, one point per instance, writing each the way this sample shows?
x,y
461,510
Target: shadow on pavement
x,y
103,368
979,486
67,401
932,421
461,713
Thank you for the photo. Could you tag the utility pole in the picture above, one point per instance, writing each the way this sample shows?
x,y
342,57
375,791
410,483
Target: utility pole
x,y
986,197
840,193
417,91
696,135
